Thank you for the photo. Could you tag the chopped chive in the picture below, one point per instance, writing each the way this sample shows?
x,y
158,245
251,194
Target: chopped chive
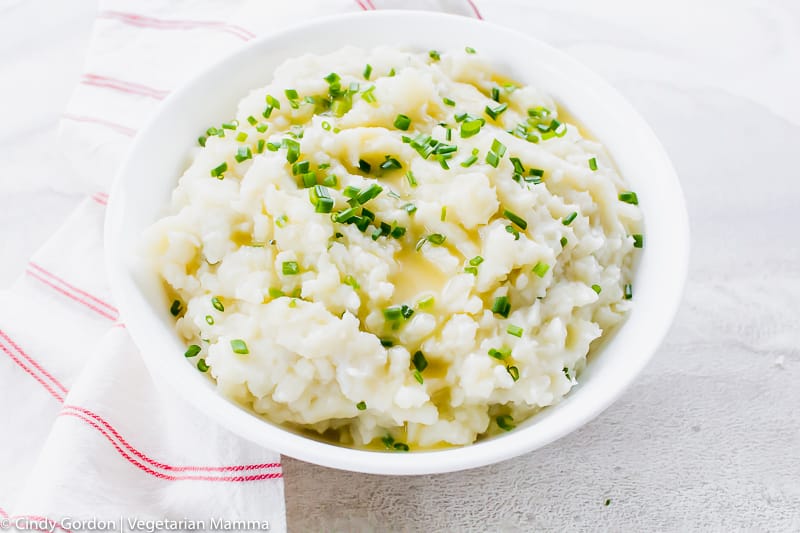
x,y
176,308
218,171
292,150
516,219
410,208
192,350
638,240
475,261
501,355
319,197
540,269
504,422
514,330
387,343
201,140
281,221
252,120
412,181
493,159
419,361
217,304
469,50
346,215
351,281
273,102
443,216
351,191
513,372
402,122
390,164
243,153
267,112
202,366
260,146
564,242
498,148
392,73
566,373
261,128
239,346
394,312
597,288
368,194
425,302
241,136
368,96
448,135
501,306
401,446
290,268
448,101
232,125
628,291
436,238
513,231
209,320
364,166
629,197
593,163
309,179
435,55
471,159
367,71
361,406
418,376
471,270
496,94
567,220
496,111
273,147
275,293
301,167
518,167
398,232
470,128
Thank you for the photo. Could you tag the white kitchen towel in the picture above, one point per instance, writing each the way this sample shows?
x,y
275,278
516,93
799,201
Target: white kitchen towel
x,y
86,434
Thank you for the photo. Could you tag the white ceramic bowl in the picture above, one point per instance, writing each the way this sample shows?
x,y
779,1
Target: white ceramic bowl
x,y
160,154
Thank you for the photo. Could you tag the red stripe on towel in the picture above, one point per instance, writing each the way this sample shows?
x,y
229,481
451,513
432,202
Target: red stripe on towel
x,y
143,21
123,86
52,276
33,374
475,9
161,475
71,296
119,128
164,466
32,361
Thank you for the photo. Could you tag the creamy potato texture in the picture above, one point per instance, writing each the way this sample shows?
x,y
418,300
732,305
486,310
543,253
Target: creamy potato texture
x,y
396,249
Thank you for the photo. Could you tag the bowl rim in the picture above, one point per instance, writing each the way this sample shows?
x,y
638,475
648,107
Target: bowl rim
x,y
283,440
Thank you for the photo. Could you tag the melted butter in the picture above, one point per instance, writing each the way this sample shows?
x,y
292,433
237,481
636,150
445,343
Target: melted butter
x,y
415,276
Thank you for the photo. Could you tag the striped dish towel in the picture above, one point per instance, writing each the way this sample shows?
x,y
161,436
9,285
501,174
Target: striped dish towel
x,y
85,432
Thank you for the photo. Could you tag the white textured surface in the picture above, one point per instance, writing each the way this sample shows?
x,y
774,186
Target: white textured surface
x,y
709,437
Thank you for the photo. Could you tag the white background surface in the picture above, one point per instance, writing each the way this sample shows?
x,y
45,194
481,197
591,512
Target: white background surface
x,y
709,437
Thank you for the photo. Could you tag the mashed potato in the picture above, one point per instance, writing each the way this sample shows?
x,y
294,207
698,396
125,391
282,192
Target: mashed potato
x,y
396,249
